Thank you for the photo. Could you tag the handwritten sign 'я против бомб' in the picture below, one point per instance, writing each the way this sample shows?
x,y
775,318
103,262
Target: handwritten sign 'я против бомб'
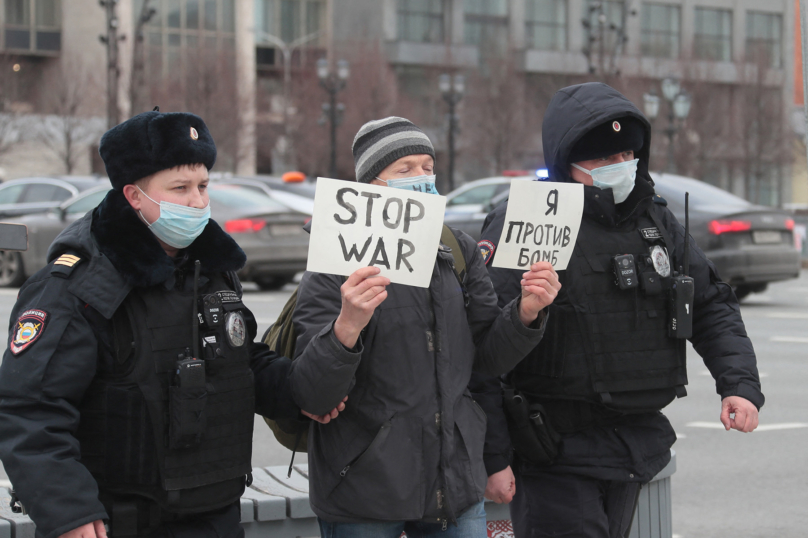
x,y
541,224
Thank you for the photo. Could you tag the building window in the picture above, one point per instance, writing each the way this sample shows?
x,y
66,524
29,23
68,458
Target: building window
x,y
546,24
660,30
713,35
33,26
421,20
611,26
764,38
291,20
486,25
192,29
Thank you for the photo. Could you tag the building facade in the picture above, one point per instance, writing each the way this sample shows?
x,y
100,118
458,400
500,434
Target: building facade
x,y
732,56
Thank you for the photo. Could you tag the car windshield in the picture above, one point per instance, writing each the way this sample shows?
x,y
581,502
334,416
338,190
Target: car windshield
x,y
243,198
86,203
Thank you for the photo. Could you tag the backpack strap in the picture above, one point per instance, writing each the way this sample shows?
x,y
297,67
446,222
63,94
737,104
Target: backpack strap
x,y
448,238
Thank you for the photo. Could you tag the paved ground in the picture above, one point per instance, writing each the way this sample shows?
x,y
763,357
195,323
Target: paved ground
x,y
728,484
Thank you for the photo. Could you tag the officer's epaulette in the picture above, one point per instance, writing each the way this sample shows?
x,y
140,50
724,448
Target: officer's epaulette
x,y
64,265
660,200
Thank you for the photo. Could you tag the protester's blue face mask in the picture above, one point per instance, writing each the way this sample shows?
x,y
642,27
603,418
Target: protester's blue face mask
x,y
416,183
178,225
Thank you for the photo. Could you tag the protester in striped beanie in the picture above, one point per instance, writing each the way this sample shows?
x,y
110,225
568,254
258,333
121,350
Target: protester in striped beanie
x,y
380,143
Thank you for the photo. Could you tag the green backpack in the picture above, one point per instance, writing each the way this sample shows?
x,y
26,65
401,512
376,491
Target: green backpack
x,y
281,338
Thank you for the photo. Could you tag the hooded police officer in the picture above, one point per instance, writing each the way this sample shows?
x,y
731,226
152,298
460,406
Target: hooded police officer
x,y
127,391
608,364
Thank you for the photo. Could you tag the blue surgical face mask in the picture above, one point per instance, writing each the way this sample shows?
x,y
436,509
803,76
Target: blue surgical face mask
x,y
416,183
618,177
178,225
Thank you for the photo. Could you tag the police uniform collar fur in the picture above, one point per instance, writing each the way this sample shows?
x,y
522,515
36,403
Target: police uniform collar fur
x,y
135,252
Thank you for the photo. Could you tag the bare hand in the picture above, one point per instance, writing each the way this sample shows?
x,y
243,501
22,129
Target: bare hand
x,y
325,419
90,530
361,294
501,486
746,414
540,287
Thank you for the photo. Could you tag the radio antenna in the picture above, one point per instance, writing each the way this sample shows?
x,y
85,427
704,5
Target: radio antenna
x,y
195,323
686,257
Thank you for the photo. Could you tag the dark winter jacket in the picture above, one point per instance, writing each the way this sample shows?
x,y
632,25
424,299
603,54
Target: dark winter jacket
x,y
409,444
42,388
633,447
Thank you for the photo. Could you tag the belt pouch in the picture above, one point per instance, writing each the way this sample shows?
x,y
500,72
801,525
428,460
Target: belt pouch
x,y
531,434
188,419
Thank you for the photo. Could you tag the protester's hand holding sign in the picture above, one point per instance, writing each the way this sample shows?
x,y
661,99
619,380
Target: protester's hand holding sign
x,y
361,294
540,287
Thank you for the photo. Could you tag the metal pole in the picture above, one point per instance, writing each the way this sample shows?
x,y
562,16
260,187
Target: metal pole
x,y
452,103
671,131
804,32
332,90
113,73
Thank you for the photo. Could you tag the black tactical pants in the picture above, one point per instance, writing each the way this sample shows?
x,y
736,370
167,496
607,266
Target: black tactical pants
x,y
222,523
567,505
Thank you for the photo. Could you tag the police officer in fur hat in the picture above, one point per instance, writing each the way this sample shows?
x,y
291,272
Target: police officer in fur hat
x,y
131,379
611,358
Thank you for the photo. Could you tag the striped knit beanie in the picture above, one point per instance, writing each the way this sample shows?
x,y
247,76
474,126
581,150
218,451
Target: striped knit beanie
x,y
380,143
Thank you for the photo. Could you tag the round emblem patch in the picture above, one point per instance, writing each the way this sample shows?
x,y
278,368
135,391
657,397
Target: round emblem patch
x,y
659,257
27,330
195,134
616,126
236,329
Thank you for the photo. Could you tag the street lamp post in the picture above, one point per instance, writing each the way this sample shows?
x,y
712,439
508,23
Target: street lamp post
x,y
452,92
111,40
678,109
286,50
333,83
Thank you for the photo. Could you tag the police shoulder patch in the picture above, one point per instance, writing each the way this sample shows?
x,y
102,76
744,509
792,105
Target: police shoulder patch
x,y
29,327
486,249
660,200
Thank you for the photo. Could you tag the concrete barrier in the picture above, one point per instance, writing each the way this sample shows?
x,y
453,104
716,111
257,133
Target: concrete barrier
x,y
278,507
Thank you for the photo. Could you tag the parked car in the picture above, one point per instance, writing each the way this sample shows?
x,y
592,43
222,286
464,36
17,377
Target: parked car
x,y
296,202
37,194
269,233
750,245
43,227
468,205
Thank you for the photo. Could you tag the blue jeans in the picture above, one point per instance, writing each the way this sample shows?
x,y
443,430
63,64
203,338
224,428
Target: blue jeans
x,y
471,524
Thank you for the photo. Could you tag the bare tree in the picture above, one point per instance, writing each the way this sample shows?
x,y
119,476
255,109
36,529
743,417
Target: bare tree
x,y
66,127
9,121
500,124
371,93
203,83
137,88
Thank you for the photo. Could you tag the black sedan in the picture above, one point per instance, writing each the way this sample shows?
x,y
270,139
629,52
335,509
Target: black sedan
x,y
270,234
751,245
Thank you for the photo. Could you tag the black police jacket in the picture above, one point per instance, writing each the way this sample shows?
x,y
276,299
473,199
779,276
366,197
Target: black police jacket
x,y
635,446
61,334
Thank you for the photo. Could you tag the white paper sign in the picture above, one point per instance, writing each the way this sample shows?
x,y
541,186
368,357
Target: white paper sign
x,y
356,225
541,224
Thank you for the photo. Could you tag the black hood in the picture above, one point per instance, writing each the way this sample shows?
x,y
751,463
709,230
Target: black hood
x,y
574,111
